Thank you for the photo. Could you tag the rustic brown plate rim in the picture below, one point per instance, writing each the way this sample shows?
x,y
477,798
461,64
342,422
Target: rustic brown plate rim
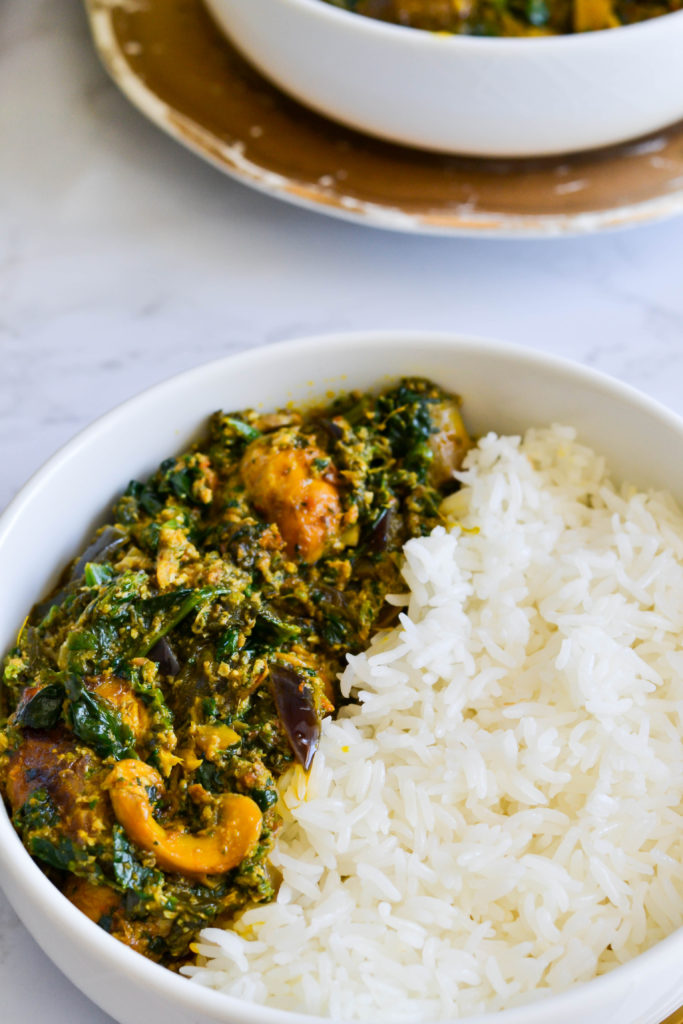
x,y
229,158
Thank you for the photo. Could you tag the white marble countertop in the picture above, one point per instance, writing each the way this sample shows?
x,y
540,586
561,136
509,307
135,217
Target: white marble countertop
x,y
123,260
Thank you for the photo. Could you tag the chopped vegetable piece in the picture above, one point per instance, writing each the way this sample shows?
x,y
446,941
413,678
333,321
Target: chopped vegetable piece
x,y
296,708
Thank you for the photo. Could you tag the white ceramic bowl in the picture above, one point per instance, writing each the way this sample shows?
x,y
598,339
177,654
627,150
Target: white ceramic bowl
x,y
460,94
504,388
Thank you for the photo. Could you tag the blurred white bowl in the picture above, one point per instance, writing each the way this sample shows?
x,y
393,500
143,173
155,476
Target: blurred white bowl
x,y
504,388
461,94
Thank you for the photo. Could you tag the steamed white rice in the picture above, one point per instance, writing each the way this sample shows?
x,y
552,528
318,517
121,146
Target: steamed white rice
x,y
500,814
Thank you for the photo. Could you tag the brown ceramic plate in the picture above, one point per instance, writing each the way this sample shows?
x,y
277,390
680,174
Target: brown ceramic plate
x,y
172,63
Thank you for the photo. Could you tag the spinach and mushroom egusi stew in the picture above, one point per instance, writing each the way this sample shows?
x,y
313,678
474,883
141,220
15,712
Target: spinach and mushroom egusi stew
x,y
187,657
511,17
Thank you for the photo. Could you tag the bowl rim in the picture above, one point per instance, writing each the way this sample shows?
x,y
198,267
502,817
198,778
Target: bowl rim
x,y
405,34
18,868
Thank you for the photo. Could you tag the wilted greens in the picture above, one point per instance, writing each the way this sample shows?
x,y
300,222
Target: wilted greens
x,y
188,656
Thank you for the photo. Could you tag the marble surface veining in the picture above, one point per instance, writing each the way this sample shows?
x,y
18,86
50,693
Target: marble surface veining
x,y
123,260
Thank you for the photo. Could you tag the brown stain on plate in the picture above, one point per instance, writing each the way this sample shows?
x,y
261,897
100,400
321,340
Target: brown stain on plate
x,y
172,62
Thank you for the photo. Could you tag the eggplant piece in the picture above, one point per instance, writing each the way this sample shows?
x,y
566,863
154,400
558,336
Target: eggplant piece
x,y
335,431
43,608
378,537
40,708
163,654
104,545
330,597
293,697
383,533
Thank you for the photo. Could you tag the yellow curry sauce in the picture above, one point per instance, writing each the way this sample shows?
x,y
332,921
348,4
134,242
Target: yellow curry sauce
x,y
188,655
511,17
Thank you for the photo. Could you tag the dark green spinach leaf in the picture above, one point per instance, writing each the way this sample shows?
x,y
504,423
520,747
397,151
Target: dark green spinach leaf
x,y
97,725
129,873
